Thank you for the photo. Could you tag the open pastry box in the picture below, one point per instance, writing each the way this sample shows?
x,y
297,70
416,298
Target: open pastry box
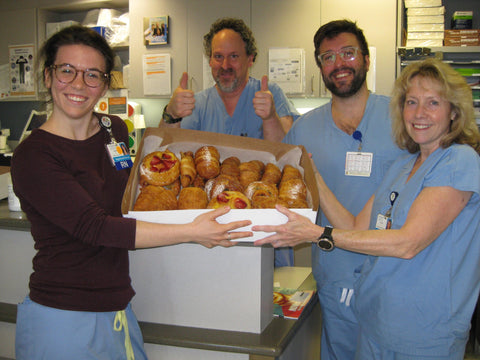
x,y
246,149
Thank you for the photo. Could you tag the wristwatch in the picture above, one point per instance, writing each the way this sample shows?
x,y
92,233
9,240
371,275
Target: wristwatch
x,y
169,119
325,241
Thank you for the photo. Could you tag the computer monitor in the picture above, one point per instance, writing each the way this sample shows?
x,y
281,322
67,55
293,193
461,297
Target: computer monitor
x,y
35,120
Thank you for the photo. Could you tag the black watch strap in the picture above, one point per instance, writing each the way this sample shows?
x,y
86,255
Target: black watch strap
x,y
325,241
169,119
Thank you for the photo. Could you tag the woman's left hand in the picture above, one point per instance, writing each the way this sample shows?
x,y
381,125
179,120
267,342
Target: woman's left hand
x,y
299,229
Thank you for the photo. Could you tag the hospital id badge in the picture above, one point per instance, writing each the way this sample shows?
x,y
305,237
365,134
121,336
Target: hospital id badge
x,y
358,163
383,222
119,155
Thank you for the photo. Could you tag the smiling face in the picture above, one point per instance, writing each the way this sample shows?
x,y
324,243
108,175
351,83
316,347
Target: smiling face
x,y
344,78
229,61
426,113
75,100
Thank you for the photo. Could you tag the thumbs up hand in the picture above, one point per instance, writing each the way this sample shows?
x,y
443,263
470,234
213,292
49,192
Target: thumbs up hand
x,y
263,102
182,101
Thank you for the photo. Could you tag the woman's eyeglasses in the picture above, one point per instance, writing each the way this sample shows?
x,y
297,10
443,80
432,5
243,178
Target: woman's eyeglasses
x,y
347,54
66,73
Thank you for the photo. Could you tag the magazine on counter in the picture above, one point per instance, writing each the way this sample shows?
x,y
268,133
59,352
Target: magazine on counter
x,y
290,303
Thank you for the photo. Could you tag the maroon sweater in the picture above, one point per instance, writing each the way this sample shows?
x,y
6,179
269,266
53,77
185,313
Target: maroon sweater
x,y
72,196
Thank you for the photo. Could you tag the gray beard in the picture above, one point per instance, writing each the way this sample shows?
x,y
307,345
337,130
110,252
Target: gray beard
x,y
228,89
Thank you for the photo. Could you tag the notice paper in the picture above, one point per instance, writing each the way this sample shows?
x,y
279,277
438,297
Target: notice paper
x,y
287,69
157,74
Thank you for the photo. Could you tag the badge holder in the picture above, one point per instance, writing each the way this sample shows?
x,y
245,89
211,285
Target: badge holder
x,y
358,163
117,151
384,222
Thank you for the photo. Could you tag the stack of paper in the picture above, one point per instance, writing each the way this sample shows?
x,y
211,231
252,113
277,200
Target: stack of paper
x,y
425,23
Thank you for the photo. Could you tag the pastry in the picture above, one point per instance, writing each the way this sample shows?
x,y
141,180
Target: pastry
x,y
262,195
192,198
174,187
159,168
198,182
290,172
207,162
233,199
155,198
250,171
293,193
271,174
221,183
230,166
187,168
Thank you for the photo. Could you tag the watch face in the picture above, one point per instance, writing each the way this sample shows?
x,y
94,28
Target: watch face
x,y
325,244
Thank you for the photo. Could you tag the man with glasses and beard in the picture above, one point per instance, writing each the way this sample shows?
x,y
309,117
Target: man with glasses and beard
x,y
351,145
238,104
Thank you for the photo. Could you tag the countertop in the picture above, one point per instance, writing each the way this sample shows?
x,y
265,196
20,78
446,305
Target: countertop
x,y
12,220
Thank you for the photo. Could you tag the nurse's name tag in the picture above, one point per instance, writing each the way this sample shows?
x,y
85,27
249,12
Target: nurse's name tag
x,y
358,163
119,155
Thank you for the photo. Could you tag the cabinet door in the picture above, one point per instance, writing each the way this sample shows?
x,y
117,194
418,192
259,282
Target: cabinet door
x,y
286,23
377,19
176,47
201,15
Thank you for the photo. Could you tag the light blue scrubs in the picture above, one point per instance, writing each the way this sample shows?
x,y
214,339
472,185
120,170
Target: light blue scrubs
x,y
210,115
423,306
334,271
75,334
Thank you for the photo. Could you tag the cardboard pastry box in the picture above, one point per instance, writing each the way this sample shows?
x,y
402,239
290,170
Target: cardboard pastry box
x,y
246,149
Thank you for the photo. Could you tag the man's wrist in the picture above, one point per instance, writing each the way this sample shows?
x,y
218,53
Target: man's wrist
x,y
169,119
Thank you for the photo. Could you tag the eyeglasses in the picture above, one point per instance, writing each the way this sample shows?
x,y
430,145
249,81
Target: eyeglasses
x,y
66,73
347,54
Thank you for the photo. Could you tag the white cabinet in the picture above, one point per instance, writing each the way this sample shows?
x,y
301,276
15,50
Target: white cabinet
x,y
377,19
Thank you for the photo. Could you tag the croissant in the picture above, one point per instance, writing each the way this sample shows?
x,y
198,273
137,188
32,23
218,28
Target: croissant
x,y
155,198
221,183
187,169
159,168
192,198
250,171
207,162
272,174
230,166
233,199
294,193
290,172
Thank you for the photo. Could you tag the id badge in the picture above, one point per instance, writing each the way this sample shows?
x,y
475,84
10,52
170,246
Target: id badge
x,y
119,155
358,163
383,222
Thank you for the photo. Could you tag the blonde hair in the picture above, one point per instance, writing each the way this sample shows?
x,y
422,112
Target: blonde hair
x,y
463,128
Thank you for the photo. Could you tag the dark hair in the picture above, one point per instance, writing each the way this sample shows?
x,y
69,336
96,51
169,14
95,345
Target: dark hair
x,y
75,35
335,28
236,25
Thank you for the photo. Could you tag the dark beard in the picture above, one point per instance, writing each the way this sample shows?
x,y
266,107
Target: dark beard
x,y
228,89
358,80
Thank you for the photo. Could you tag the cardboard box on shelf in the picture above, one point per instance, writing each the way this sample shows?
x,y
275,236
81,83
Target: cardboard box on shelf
x,y
460,41
422,3
462,20
436,10
228,145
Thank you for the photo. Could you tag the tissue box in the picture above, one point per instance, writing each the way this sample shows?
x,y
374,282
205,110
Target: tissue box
x,y
228,145
462,20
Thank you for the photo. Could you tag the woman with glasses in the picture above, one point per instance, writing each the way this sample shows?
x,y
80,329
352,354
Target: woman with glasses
x,y
80,291
417,289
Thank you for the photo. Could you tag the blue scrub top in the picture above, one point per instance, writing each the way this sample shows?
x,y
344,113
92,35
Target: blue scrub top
x,y
423,306
328,145
210,113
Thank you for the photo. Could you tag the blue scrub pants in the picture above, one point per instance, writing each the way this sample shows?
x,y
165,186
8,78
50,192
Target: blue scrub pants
x,y
45,333
367,349
283,256
339,324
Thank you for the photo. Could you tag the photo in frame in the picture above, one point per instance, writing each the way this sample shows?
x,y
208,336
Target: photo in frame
x,y
156,30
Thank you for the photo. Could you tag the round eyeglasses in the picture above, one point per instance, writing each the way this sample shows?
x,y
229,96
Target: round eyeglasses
x,y
347,54
66,73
